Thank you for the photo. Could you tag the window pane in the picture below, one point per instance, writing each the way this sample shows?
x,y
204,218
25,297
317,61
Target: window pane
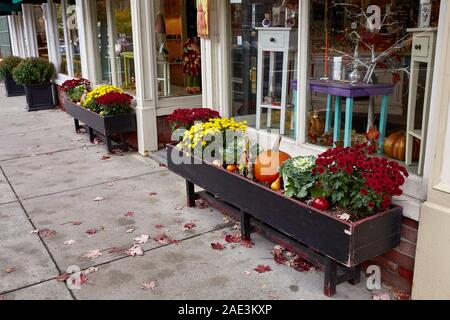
x,y
178,48
354,44
62,43
40,30
103,42
124,44
274,67
74,40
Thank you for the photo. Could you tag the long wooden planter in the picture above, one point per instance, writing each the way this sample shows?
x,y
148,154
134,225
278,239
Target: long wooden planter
x,y
327,240
108,126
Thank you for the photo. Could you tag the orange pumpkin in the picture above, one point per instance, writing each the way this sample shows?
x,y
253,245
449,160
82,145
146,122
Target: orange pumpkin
x,y
268,164
395,147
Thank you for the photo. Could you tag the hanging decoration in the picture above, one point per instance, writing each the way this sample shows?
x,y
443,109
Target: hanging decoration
x,y
203,18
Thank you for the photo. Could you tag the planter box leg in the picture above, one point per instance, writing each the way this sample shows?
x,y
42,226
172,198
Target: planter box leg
x,y
356,276
190,192
246,228
109,144
91,135
330,277
77,125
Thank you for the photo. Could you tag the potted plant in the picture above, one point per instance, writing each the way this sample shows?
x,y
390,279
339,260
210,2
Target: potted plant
x,y
337,209
7,66
75,89
106,110
36,74
186,118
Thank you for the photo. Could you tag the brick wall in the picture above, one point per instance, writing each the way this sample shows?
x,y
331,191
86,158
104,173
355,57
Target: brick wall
x,y
397,266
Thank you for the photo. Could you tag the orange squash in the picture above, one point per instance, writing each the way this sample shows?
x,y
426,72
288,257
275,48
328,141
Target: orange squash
x,y
395,147
316,125
268,164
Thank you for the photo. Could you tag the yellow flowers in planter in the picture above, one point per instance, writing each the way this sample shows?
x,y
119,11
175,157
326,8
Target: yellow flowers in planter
x,y
205,133
99,92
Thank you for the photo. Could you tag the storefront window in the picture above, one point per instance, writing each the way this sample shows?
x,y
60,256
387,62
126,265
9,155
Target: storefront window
x,y
40,30
356,46
73,50
264,37
62,32
178,48
103,42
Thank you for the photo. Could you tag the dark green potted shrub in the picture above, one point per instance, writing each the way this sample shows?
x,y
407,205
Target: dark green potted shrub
x,y
7,66
36,75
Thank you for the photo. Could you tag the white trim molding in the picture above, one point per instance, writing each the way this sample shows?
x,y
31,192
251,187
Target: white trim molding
x,y
29,33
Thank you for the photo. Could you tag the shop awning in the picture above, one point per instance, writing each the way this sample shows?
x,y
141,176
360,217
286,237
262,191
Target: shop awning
x,y
8,7
29,1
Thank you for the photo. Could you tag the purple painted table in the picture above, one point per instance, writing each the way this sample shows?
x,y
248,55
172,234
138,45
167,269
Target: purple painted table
x,y
350,91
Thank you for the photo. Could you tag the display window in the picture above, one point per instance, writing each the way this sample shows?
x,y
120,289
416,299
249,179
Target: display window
x,y
371,66
178,53
264,48
41,35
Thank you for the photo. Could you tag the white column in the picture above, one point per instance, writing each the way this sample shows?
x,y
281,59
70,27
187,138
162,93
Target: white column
x,y
29,24
15,22
51,30
142,12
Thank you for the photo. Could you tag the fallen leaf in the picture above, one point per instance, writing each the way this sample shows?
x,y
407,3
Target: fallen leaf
x,y
35,232
69,242
201,204
131,230
162,239
110,184
93,254
105,157
159,226
98,199
148,285
91,232
129,214
247,244
47,233
10,269
217,246
381,296
247,273
91,270
233,238
236,227
63,277
117,250
175,242
152,194
142,239
75,223
226,220
135,250
189,226
273,296
80,280
179,208
263,269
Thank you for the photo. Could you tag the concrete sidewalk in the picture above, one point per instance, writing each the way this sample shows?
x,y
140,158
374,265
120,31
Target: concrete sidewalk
x,y
49,179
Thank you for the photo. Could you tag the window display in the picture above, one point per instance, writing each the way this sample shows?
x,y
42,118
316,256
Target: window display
x,y
264,62
40,30
360,57
178,54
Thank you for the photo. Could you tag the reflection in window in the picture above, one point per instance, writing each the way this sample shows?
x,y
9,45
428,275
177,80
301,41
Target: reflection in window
x,y
103,45
73,49
178,48
346,38
271,27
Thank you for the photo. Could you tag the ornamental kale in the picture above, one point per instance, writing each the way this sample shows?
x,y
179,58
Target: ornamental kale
x,y
298,177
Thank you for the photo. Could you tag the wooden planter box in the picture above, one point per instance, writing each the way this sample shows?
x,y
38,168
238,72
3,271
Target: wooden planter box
x,y
106,126
40,97
12,88
338,245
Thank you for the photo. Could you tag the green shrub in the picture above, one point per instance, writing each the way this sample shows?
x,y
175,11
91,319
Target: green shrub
x,y
34,71
7,66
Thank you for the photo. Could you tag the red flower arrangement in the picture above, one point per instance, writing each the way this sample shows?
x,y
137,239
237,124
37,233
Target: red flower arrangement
x,y
354,180
69,85
114,103
186,118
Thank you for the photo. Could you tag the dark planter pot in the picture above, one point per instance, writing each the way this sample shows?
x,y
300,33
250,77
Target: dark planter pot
x,y
40,97
12,88
106,126
327,240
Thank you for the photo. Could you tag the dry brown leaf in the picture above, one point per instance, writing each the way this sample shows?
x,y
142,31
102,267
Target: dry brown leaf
x,y
135,250
93,254
148,285
47,233
142,239
10,269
